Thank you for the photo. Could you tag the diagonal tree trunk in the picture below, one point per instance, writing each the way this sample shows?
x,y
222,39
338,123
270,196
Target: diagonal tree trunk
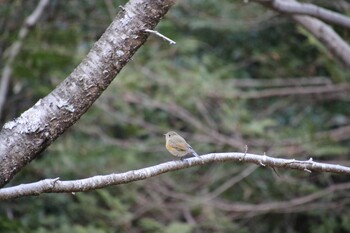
x,y
22,139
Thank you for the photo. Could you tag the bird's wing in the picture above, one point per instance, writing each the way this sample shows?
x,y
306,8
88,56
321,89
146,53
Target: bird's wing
x,y
179,145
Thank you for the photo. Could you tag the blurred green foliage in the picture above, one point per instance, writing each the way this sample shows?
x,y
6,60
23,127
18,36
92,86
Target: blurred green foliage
x,y
195,88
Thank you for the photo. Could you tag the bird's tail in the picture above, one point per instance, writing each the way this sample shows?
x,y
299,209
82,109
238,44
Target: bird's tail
x,y
194,152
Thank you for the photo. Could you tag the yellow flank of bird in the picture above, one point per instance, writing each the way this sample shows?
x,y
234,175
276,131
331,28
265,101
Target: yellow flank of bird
x,y
177,145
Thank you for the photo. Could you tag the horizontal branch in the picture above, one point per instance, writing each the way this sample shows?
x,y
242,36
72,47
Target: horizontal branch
x,y
282,82
101,181
286,91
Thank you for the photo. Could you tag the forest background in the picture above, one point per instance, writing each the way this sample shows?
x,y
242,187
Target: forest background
x,y
240,74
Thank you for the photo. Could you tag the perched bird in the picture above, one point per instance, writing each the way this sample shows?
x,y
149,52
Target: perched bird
x,y
177,145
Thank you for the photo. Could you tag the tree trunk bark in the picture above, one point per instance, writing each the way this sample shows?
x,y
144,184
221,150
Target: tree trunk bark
x,y
22,139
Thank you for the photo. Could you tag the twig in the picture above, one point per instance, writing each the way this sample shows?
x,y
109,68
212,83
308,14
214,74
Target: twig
x,y
245,152
263,159
96,182
161,36
30,21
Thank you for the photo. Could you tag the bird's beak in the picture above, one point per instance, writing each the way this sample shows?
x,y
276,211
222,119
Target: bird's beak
x,y
164,134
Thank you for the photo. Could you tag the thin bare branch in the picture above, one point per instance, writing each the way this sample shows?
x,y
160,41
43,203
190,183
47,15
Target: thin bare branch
x,y
96,182
286,91
282,82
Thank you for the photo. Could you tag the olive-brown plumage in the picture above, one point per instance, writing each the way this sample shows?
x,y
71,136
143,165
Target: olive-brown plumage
x,y
177,145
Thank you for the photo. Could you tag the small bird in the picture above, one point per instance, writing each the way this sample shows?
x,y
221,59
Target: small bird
x,y
177,145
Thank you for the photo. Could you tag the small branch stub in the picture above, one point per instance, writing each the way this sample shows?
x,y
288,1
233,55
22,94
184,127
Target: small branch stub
x,y
245,152
161,36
